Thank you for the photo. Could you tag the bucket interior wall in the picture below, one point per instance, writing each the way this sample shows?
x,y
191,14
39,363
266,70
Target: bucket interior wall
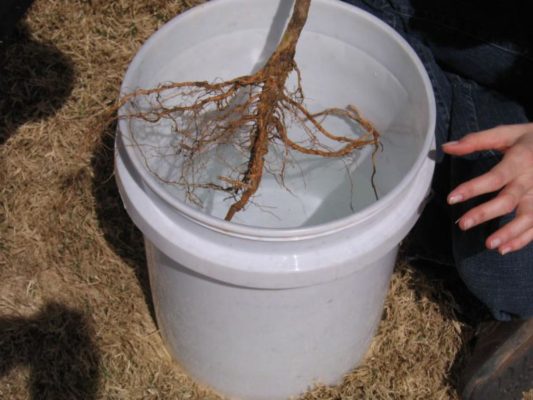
x,y
338,70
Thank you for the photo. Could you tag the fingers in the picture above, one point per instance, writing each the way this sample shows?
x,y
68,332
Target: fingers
x,y
494,180
499,138
506,202
517,233
518,243
512,177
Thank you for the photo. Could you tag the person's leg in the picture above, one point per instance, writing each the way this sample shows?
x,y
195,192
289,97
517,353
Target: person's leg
x,y
503,283
438,35
502,365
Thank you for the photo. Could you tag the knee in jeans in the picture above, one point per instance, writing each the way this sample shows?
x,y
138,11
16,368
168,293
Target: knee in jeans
x,y
503,283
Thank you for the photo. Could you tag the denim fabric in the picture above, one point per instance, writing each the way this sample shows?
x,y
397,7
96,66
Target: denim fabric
x,y
479,58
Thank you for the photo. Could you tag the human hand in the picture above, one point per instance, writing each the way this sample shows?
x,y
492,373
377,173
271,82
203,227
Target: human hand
x,y
512,177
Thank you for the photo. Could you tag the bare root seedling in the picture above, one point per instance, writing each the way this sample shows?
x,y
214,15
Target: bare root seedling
x,y
250,113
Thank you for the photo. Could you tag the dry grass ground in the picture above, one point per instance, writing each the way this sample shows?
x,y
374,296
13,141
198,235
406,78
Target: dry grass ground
x,y
75,314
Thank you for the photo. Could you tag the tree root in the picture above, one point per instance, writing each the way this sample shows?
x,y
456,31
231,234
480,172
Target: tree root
x,y
249,112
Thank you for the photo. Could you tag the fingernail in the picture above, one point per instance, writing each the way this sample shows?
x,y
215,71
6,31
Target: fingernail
x,y
468,223
495,243
505,250
452,143
454,199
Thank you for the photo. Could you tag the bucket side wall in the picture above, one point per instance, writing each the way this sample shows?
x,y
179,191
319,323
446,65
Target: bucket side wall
x,y
293,337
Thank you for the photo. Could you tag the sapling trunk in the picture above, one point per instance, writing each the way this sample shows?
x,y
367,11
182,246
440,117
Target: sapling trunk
x,y
249,112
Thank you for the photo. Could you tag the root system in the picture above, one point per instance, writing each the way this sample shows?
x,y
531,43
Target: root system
x,y
250,113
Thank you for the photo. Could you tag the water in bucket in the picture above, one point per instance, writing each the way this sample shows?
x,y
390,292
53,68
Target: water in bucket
x,y
314,189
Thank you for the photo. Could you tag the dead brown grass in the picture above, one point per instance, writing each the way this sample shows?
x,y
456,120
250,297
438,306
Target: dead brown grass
x,y
75,311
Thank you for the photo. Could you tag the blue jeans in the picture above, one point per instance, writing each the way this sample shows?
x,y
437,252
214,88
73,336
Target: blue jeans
x,y
479,58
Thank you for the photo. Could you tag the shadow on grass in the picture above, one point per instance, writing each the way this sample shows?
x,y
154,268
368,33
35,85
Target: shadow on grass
x,y
119,231
35,79
428,250
56,346
442,285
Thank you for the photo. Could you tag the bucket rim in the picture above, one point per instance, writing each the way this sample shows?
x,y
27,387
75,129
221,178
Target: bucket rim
x,y
290,233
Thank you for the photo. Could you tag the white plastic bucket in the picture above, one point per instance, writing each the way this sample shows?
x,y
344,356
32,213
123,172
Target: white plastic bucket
x,y
263,308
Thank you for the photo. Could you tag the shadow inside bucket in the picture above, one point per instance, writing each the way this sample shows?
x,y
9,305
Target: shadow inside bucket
x,y
35,78
57,347
119,231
